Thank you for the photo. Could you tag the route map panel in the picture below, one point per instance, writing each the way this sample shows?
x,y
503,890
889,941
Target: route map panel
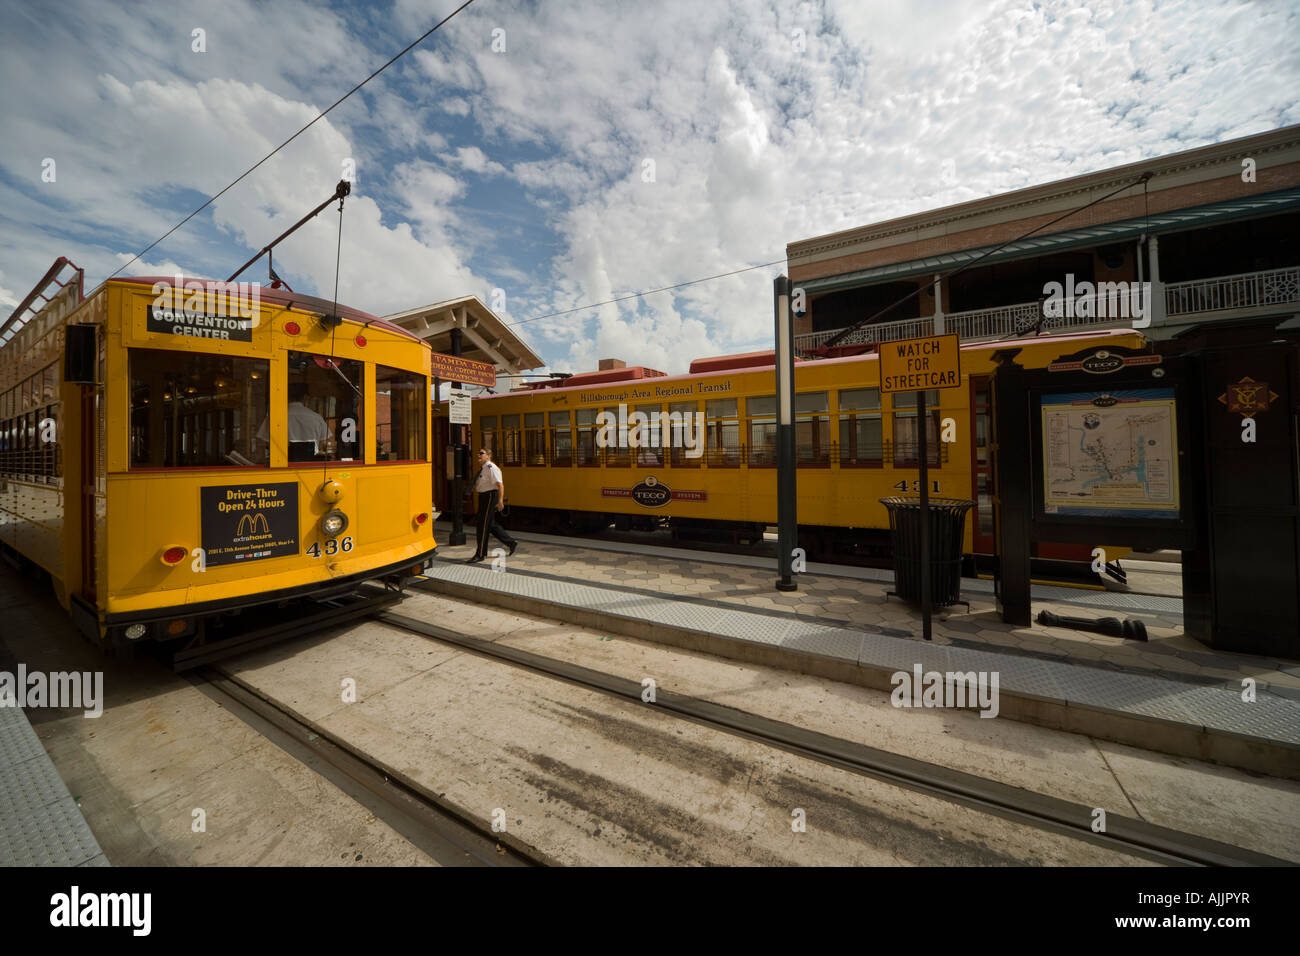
x,y
1111,453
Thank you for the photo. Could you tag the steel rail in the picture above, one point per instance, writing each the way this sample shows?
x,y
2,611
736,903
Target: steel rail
x,y
1136,837
425,821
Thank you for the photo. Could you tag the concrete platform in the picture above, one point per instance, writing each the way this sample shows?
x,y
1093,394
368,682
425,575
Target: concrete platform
x,y
1171,694
40,822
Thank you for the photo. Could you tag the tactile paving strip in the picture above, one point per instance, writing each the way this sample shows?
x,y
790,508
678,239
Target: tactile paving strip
x,y
40,823
1218,708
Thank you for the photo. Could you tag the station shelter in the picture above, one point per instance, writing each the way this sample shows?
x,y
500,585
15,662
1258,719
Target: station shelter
x,y
1200,251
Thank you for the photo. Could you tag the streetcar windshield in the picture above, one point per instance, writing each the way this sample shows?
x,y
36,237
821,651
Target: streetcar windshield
x,y
196,410
324,408
401,400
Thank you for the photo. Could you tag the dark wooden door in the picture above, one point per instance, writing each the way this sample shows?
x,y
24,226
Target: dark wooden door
x,y
1242,588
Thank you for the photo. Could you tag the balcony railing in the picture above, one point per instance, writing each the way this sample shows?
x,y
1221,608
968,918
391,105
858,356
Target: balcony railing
x,y
1249,290
1278,287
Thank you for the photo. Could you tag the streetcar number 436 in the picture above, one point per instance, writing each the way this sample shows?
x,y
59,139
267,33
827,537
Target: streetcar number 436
x,y
332,546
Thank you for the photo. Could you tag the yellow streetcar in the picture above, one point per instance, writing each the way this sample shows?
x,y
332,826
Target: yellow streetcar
x,y
704,463
175,451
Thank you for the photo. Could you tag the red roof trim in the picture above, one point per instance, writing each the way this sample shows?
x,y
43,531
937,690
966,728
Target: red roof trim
x,y
992,343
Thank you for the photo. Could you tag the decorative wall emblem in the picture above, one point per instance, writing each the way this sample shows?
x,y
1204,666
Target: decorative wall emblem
x,y
1248,397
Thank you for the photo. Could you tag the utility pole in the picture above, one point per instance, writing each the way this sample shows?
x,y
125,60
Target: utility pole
x,y
456,434
787,528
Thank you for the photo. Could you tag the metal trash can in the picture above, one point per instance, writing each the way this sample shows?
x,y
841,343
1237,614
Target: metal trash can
x,y
947,524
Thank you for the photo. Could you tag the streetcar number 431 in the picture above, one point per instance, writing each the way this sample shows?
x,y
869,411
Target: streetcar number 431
x,y
332,546
916,485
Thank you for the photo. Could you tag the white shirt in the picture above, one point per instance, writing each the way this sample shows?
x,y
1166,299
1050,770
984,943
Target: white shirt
x,y
488,477
304,425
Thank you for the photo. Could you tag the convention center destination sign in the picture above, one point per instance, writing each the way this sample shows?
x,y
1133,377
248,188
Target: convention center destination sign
x,y
917,365
1111,453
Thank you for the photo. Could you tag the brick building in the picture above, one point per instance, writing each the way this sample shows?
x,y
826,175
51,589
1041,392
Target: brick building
x,y
1216,230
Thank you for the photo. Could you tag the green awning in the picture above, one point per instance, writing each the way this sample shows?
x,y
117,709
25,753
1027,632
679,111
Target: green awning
x,y
1177,220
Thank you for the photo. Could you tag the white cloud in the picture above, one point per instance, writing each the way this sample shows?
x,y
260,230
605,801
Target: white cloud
x,y
754,142
474,160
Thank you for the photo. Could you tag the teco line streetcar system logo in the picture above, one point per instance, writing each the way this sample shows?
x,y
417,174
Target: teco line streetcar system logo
x,y
653,493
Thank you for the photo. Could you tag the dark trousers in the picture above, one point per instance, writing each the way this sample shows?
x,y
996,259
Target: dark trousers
x,y
488,524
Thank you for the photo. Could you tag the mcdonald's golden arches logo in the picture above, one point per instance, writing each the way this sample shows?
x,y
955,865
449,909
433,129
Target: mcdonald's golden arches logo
x,y
252,524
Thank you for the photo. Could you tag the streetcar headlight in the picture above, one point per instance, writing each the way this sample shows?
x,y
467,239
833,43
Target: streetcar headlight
x,y
334,524
136,631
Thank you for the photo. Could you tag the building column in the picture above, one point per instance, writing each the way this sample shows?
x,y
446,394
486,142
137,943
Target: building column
x,y
938,304
1157,306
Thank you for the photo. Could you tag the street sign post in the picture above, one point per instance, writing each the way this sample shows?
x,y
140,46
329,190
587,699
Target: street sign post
x,y
919,365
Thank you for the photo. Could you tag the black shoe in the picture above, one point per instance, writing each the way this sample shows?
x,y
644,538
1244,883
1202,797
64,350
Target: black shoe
x,y
513,546
474,560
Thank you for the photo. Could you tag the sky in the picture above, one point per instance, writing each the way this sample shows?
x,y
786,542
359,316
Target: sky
x,y
548,156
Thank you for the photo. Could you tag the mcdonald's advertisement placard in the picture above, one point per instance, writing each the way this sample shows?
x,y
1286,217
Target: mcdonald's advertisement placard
x,y
249,522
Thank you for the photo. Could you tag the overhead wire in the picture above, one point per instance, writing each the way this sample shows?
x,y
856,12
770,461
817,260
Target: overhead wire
x,y
304,129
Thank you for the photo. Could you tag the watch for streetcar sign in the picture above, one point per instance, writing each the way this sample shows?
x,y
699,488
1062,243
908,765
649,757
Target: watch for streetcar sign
x,y
916,365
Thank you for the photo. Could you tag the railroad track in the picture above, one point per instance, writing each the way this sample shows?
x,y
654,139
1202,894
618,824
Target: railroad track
x,y
1135,837
434,827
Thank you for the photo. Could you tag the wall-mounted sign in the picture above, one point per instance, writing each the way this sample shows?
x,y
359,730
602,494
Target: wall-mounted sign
x,y
1104,361
458,407
1111,453
453,368
917,365
1248,397
241,523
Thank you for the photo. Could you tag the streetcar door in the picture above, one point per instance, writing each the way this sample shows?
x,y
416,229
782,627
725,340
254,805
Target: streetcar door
x,y
981,466
86,472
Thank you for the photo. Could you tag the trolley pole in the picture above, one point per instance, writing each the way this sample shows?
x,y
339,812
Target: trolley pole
x,y
922,441
787,528
456,434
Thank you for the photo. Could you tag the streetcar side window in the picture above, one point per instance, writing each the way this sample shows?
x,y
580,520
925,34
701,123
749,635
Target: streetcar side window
x,y
195,410
722,429
617,454
861,438
510,437
400,401
561,440
683,427
488,429
761,410
906,438
534,438
812,429
30,448
649,452
586,421
325,409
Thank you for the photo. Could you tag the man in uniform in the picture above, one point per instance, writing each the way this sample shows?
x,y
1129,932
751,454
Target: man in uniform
x,y
491,498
